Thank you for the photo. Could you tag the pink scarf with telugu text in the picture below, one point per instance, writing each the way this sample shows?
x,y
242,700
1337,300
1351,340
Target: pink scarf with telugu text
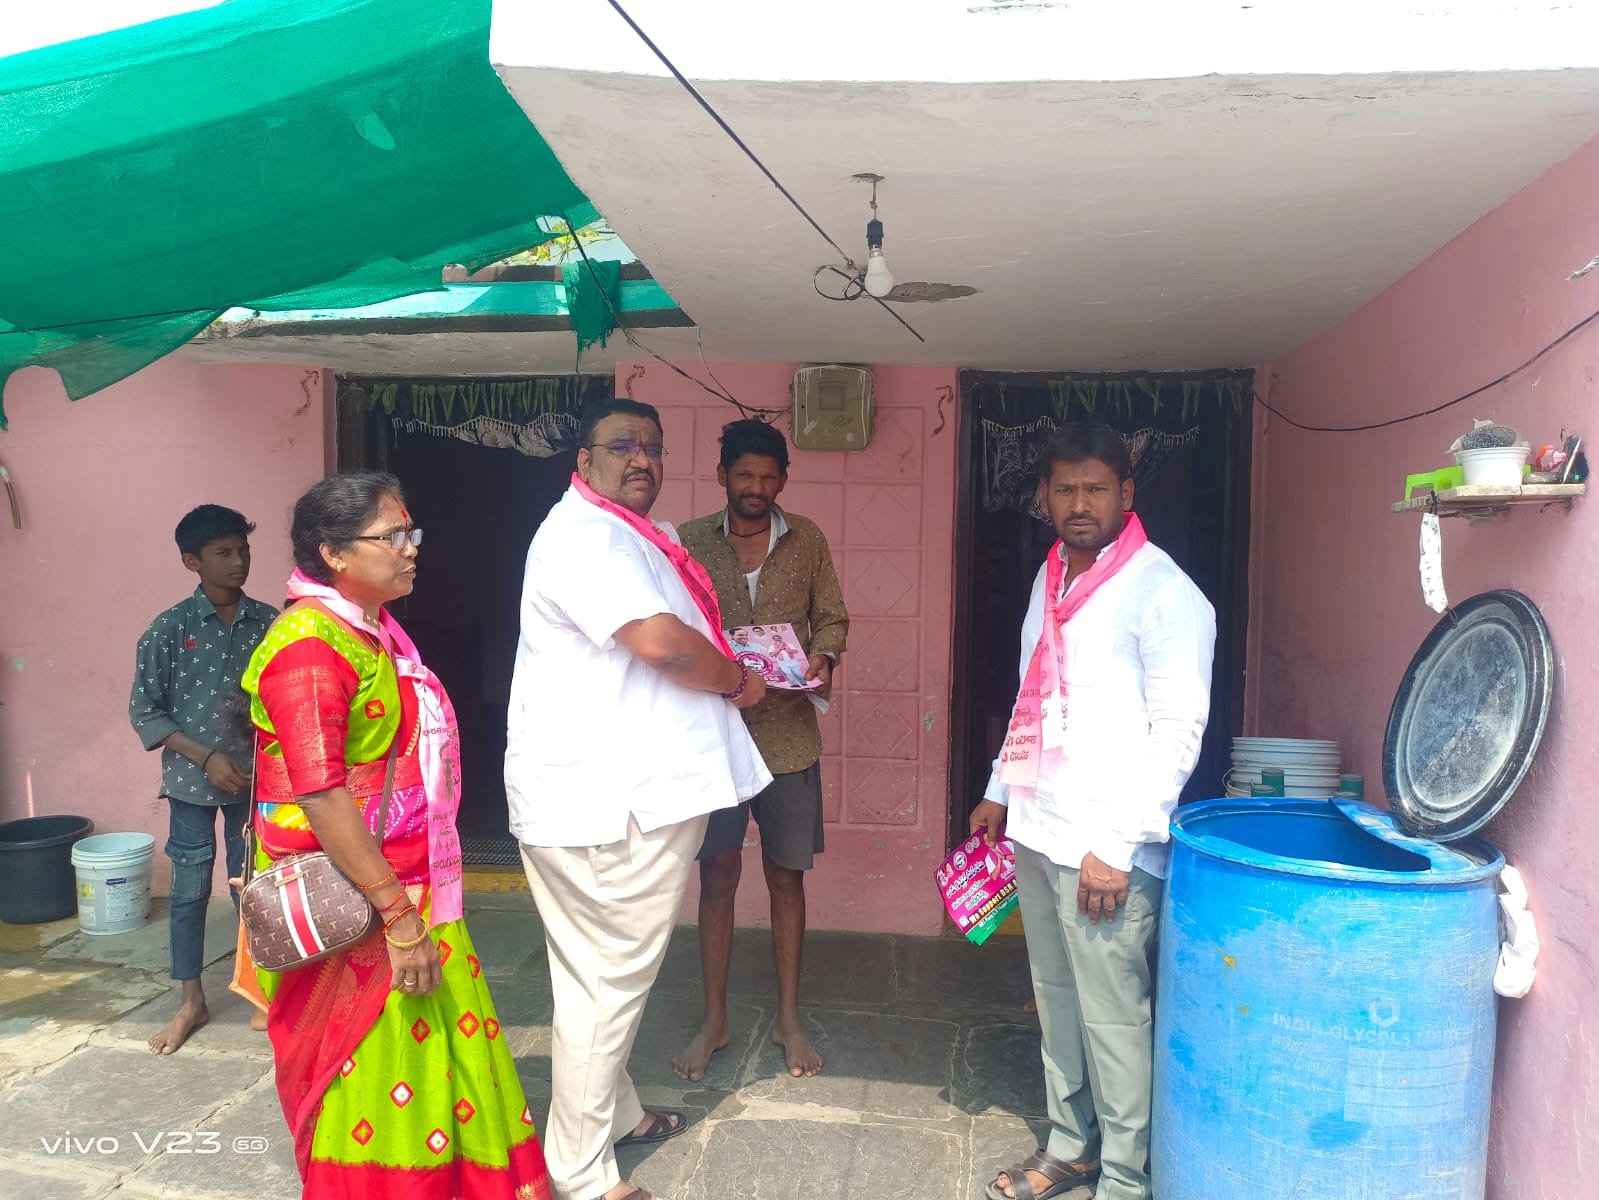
x,y
695,577
438,742
1045,682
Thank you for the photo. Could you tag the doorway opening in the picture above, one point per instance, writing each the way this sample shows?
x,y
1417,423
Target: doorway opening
x,y
482,462
1189,436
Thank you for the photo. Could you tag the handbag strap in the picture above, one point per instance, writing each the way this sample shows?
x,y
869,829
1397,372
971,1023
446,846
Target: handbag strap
x,y
388,789
383,809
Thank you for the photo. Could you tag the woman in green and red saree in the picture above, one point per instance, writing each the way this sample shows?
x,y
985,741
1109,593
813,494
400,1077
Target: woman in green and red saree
x,y
391,1067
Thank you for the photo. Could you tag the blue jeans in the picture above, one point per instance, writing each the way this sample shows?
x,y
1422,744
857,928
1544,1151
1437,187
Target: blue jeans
x,y
192,847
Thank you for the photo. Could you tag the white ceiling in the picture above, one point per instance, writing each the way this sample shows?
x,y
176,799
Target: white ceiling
x,y
1109,220
1120,225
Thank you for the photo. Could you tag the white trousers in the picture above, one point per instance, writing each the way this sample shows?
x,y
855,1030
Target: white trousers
x,y
608,913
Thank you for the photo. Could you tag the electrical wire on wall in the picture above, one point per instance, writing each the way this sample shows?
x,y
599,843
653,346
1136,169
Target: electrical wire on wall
x,y
11,494
1437,408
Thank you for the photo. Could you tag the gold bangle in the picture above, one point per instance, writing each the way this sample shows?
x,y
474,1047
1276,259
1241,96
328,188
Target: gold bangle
x,y
417,941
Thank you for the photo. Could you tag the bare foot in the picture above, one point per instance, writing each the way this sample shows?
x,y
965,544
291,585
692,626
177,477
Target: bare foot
x,y
802,1057
257,1019
172,1035
696,1056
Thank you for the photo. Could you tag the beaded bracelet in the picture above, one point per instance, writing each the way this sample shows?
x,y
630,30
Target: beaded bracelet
x,y
743,682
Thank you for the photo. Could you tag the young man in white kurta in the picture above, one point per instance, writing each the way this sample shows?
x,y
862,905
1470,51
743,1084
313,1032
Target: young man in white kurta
x,y
616,753
1137,697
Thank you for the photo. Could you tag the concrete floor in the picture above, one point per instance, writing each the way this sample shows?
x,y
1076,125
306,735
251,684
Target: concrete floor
x,y
932,1081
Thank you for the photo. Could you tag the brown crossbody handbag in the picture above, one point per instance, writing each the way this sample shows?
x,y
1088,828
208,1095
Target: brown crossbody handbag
x,y
302,908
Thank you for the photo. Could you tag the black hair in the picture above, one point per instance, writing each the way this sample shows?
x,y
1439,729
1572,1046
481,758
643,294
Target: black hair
x,y
334,512
1077,441
596,411
753,437
206,524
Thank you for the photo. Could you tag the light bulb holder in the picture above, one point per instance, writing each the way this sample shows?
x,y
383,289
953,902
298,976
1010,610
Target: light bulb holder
x,y
874,235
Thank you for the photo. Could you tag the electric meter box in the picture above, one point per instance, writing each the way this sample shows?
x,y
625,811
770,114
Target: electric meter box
x,y
833,408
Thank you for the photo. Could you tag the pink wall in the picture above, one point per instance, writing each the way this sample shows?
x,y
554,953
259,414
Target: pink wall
x,y
888,513
102,483
1339,613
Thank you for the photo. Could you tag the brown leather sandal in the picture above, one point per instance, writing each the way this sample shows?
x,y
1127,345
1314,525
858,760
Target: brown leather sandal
x,y
1063,1177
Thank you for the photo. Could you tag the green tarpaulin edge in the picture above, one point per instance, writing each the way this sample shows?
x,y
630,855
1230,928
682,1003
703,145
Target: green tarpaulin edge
x,y
273,154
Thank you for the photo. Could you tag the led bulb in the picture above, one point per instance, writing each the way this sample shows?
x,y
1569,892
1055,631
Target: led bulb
x,y
879,279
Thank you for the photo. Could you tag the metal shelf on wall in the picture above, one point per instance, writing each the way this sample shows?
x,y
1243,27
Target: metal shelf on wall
x,y
1478,502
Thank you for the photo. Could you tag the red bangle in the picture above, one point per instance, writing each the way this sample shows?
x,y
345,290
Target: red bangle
x,y
402,898
367,887
743,682
389,924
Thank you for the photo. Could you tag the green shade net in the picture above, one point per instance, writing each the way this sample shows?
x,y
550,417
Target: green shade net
x,y
271,154
593,298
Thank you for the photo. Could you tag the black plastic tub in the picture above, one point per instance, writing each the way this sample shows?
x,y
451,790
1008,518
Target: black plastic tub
x,y
37,882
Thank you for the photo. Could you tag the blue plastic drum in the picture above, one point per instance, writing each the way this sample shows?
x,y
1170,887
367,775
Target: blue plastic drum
x,y
1324,1022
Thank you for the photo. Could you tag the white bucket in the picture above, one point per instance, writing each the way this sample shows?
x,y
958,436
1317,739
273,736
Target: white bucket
x,y
1493,466
113,872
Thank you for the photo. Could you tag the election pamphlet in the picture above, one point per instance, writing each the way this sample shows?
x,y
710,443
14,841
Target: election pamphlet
x,y
978,884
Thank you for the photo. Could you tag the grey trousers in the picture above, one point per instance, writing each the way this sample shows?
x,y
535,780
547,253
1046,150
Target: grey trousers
x,y
1093,991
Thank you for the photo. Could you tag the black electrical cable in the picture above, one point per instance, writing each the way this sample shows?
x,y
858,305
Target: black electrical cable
x,y
719,392
750,154
1437,408
854,286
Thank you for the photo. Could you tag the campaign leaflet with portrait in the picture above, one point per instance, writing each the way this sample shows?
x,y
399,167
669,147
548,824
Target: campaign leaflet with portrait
x,y
978,884
775,654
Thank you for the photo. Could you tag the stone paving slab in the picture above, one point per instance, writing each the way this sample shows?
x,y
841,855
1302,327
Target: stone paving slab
x,y
21,945
818,1160
116,1094
227,1032
63,1180
1000,1069
670,1021
956,980
510,942
843,968
255,1159
876,1063
932,1078
50,1009
147,948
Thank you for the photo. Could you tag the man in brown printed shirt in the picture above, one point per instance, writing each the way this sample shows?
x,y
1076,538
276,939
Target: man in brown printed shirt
x,y
769,567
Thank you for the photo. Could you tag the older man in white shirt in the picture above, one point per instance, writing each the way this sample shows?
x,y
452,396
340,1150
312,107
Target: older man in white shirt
x,y
623,736
1114,697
